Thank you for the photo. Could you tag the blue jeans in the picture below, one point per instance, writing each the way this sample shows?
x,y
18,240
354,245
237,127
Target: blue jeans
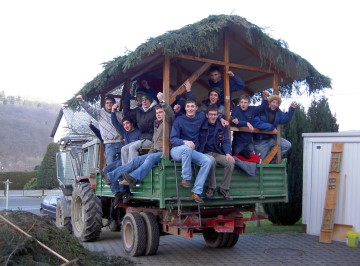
x,y
113,152
187,155
263,146
139,167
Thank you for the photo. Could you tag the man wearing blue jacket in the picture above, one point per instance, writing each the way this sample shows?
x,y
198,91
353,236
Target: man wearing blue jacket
x,y
243,116
268,120
217,81
214,142
184,139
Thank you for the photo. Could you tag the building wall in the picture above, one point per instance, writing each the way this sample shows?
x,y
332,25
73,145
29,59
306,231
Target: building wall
x,y
62,129
317,156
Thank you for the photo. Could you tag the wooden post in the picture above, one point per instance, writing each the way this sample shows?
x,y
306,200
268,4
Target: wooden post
x,y
278,138
225,76
166,86
102,146
331,193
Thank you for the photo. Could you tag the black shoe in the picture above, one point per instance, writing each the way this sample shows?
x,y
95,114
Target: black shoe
x,y
197,198
132,181
209,193
105,177
126,197
185,183
225,193
118,198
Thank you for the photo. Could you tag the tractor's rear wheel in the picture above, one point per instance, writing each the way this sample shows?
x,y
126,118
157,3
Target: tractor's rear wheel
x,y
86,213
134,234
152,233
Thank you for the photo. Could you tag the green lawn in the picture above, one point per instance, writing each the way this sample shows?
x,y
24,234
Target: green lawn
x,y
266,227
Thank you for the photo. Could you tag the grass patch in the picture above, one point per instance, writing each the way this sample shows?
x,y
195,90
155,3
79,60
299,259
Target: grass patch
x,y
267,227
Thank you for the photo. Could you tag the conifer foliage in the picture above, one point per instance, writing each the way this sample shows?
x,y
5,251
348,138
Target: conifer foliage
x,y
47,178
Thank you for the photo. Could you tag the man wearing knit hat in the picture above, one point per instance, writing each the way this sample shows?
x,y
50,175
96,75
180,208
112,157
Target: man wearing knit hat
x,y
268,120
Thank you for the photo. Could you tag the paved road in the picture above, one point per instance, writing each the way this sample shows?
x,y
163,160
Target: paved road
x,y
281,249
30,204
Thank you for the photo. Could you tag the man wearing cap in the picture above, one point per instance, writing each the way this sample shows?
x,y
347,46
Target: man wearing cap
x,y
113,141
144,117
268,120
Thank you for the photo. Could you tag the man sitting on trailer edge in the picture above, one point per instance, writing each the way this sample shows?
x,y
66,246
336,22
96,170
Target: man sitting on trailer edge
x,y
214,142
184,139
136,170
268,120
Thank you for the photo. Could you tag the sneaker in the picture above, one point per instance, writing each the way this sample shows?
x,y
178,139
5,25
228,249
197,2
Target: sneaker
x,y
105,177
185,183
132,181
118,198
225,193
210,193
197,198
126,197
124,182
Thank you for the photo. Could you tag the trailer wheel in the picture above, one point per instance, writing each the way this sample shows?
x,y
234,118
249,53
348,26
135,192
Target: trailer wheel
x,y
133,234
152,233
63,214
232,240
213,239
86,213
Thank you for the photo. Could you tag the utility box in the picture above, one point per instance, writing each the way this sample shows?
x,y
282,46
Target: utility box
x,y
316,166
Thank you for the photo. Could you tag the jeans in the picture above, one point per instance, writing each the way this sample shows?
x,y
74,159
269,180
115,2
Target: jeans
x,y
139,167
229,168
238,147
263,146
131,150
187,155
113,151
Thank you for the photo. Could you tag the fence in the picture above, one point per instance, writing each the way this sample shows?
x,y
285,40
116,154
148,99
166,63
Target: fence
x,y
32,193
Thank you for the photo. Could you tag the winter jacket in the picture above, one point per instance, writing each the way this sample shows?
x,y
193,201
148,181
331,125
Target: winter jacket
x,y
108,132
236,84
128,136
157,141
220,139
262,121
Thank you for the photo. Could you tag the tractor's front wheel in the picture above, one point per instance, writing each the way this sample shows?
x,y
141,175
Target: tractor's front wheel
x,y
86,213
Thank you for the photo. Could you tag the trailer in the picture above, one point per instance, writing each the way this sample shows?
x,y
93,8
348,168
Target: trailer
x,y
160,206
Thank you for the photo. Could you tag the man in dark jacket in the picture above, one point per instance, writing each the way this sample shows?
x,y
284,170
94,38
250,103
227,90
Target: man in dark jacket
x,y
144,117
214,142
217,81
243,116
268,120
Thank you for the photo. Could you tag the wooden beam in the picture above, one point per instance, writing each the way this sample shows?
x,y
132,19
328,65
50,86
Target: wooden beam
x,y
226,77
274,150
191,79
267,62
327,227
102,146
278,136
246,129
222,63
166,86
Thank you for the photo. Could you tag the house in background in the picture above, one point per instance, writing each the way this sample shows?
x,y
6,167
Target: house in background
x,y
316,165
71,123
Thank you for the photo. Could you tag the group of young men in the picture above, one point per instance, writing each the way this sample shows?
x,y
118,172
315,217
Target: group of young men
x,y
198,135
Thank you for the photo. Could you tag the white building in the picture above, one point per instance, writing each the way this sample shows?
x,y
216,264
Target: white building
x,y
317,160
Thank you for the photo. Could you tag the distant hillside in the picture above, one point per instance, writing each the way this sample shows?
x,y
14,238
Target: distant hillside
x,y
25,133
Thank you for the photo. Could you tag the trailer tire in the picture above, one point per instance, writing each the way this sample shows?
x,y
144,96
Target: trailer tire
x,y
63,214
133,234
152,233
232,240
213,239
86,213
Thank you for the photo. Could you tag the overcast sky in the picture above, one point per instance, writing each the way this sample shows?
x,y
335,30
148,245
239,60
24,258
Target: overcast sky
x,y
50,49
